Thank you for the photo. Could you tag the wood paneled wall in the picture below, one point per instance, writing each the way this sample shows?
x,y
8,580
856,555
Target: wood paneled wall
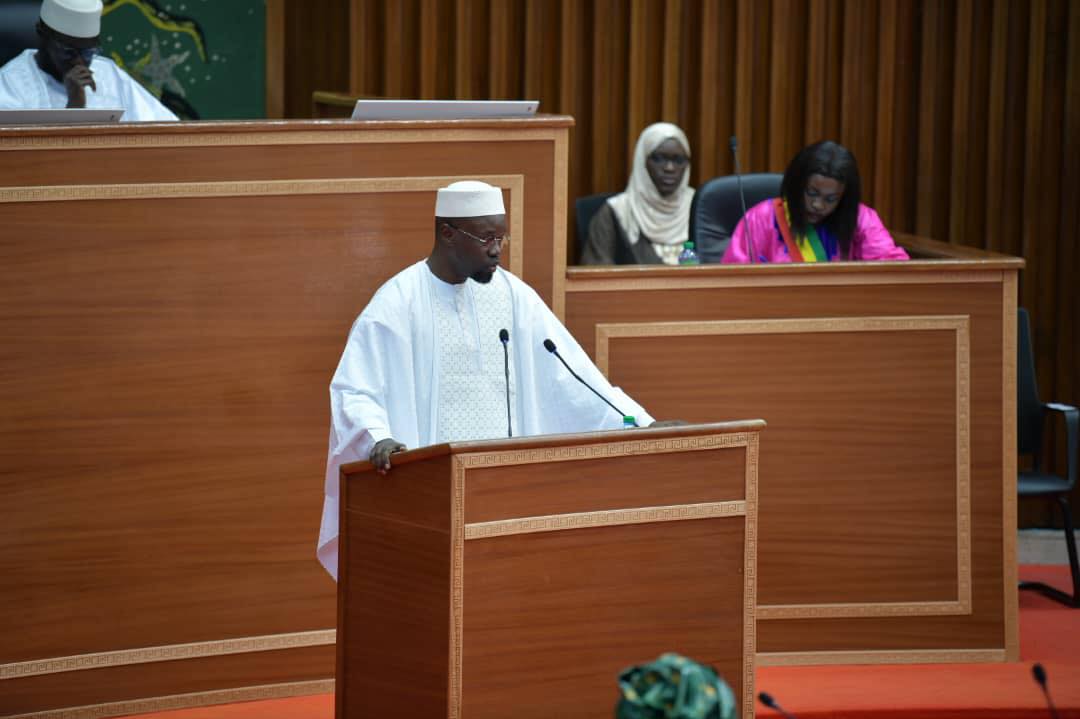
x,y
964,114
307,49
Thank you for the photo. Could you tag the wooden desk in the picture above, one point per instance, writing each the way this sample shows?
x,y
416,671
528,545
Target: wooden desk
x,y
518,577
888,472
174,302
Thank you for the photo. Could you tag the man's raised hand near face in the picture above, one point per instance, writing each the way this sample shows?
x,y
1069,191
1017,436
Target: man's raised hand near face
x,y
76,80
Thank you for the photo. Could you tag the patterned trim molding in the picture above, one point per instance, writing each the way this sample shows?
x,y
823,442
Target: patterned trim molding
x,y
186,701
558,262
262,188
168,652
607,518
609,449
750,574
457,590
716,281
960,325
854,610
885,656
1008,464
247,139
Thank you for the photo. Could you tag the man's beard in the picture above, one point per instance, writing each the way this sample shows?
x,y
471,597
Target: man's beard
x,y
483,276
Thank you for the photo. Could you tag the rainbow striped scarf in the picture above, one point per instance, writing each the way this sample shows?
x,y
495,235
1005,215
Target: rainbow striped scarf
x,y
801,248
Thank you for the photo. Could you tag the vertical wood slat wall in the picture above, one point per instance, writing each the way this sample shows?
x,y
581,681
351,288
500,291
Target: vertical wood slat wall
x,y
964,114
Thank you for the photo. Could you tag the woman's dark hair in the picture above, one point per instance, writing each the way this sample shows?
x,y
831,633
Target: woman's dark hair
x,y
829,159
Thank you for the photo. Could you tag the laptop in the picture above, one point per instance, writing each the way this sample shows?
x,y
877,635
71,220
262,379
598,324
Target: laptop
x,y
442,109
62,116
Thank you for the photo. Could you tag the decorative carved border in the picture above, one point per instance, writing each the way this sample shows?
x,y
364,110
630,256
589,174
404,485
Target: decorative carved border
x,y
167,653
958,324
750,574
602,283
1010,578
457,589
186,701
844,610
114,141
261,188
628,448
884,656
558,266
605,518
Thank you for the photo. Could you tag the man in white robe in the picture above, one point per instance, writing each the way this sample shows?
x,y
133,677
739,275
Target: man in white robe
x,y
67,71
424,363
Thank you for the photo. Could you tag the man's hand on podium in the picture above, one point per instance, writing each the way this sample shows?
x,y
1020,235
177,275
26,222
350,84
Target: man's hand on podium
x,y
380,453
668,423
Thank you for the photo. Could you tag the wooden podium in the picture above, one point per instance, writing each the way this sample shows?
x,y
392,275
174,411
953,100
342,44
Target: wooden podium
x,y
518,577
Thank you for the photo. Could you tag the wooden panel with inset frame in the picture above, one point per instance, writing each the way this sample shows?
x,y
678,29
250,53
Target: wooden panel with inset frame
x,y
173,312
888,472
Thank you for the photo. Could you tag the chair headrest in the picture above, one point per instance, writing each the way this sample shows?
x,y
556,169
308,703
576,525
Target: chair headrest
x,y
717,208
18,27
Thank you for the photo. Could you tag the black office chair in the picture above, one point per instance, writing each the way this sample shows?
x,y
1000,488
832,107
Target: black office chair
x,y
1030,417
18,27
584,209
717,208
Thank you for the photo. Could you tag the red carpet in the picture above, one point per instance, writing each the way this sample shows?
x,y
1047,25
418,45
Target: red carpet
x,y
1049,634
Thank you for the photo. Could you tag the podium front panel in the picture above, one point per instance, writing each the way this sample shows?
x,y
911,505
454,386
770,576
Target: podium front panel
x,y
580,560
626,593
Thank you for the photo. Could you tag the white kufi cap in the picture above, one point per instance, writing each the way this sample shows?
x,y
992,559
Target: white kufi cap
x,y
77,18
469,198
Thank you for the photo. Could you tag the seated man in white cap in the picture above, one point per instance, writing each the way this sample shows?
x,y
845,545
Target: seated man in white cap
x,y
67,71
424,361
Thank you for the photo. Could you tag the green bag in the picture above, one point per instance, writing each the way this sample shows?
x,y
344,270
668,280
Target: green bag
x,y
673,687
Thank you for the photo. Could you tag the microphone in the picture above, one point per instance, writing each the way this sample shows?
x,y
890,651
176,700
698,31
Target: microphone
x,y
734,142
767,699
1040,676
504,337
550,347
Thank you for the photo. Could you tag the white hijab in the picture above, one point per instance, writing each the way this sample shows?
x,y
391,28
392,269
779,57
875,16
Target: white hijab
x,y
641,209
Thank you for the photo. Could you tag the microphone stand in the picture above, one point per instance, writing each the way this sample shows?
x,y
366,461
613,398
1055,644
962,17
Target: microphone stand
x,y
550,347
504,337
742,197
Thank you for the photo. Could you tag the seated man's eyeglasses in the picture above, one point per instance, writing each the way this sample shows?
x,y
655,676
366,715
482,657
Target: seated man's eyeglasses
x,y
70,53
485,243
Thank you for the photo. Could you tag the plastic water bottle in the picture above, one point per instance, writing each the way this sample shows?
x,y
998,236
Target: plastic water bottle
x,y
628,422
688,256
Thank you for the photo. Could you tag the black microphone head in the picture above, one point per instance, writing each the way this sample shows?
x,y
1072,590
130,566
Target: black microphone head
x,y
549,345
504,335
764,697
1039,673
733,143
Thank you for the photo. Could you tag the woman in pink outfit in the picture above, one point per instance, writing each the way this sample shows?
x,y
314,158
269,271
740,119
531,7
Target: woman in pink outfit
x,y
817,218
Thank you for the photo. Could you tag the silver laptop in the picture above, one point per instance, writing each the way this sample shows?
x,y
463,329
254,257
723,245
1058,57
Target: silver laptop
x,y
442,109
62,116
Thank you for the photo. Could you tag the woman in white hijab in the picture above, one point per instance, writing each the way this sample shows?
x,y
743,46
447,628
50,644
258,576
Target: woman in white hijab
x,y
649,222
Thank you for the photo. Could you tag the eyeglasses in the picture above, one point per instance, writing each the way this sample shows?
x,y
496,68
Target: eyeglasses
x,y
485,243
661,158
70,53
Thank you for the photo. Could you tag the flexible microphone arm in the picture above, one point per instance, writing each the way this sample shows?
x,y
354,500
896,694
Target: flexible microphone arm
x,y
504,337
734,142
1039,673
550,347
768,701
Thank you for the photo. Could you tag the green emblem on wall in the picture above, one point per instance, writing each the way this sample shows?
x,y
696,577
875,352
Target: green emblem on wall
x,y
204,59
